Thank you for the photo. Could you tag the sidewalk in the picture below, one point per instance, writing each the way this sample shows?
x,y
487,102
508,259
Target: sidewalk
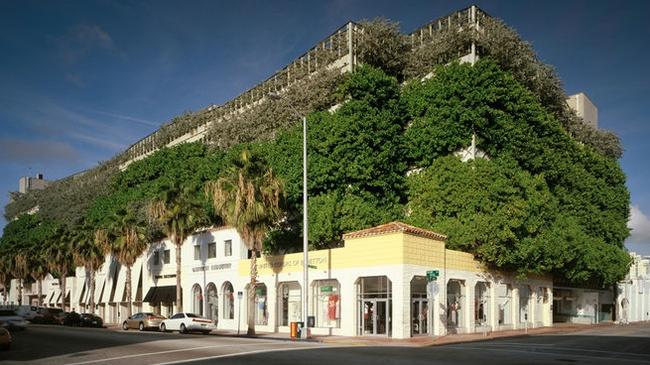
x,y
421,341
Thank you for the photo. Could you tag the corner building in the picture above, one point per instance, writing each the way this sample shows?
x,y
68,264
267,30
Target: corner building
x,y
375,285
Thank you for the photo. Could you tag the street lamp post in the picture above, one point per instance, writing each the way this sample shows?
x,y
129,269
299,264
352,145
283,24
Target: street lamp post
x,y
305,221
305,225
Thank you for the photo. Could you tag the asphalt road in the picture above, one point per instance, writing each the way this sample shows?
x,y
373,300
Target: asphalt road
x,y
79,346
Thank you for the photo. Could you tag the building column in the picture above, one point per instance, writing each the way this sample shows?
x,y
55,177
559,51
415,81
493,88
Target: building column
x,y
468,312
401,303
349,310
514,312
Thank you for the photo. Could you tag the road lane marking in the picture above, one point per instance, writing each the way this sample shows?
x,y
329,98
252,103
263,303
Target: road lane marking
x,y
567,349
253,352
548,353
164,352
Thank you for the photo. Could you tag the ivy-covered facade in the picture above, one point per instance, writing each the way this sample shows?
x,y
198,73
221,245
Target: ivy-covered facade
x,y
386,114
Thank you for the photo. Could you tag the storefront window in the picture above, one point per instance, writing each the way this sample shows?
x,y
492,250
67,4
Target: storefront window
x,y
228,301
524,303
455,303
290,303
481,303
261,308
211,301
327,303
504,304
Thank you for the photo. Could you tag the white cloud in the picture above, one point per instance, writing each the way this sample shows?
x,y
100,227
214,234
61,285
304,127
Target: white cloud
x,y
639,223
37,151
81,40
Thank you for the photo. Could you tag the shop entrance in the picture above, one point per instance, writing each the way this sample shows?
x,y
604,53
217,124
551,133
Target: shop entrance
x,y
419,306
374,317
419,314
374,306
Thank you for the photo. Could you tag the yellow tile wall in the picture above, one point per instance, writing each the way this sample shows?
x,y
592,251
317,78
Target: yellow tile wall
x,y
388,249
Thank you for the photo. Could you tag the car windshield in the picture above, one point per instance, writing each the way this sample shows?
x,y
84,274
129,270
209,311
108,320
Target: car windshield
x,y
191,315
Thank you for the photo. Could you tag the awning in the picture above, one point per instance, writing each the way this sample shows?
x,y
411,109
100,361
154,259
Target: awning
x,y
137,279
51,296
80,296
161,294
119,293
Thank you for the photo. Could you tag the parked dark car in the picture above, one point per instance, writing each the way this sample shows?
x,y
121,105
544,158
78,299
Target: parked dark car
x,y
48,316
72,319
90,320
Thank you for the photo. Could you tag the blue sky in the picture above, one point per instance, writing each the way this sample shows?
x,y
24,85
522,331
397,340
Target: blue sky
x,y
81,80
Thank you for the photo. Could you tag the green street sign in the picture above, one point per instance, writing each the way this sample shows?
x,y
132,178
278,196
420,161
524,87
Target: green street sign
x,y
432,275
326,289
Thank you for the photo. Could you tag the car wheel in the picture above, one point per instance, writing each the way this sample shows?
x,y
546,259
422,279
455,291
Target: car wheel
x,y
141,326
125,326
183,329
163,328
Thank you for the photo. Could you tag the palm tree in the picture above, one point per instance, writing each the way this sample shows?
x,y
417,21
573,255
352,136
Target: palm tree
x,y
38,267
59,258
19,270
248,198
126,239
179,213
90,254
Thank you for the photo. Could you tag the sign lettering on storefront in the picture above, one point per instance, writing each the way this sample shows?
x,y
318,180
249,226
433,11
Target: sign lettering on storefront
x,y
165,276
279,263
213,267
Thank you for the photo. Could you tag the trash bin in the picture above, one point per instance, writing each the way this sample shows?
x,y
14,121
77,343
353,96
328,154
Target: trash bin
x,y
293,327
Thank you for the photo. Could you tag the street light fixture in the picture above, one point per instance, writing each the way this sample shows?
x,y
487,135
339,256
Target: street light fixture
x,y
305,224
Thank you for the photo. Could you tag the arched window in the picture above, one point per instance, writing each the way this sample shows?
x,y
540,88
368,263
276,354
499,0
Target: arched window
x,y
261,304
290,300
455,303
197,300
327,302
504,304
211,301
481,304
228,301
524,303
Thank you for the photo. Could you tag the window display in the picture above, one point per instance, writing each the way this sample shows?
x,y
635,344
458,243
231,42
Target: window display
x,y
327,298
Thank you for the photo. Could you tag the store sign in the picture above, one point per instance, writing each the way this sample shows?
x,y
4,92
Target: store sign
x,y
326,289
212,267
165,276
278,263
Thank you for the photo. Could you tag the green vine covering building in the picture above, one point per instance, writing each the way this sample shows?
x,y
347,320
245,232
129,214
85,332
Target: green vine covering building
x,y
542,191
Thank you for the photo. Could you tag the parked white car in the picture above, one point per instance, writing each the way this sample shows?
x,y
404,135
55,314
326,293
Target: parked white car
x,y
186,322
27,311
11,321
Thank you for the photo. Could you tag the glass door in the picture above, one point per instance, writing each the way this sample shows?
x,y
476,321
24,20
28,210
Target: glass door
x,y
375,317
419,316
368,317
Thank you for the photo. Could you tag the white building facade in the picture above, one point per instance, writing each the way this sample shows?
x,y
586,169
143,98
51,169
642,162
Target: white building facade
x,y
633,301
375,285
